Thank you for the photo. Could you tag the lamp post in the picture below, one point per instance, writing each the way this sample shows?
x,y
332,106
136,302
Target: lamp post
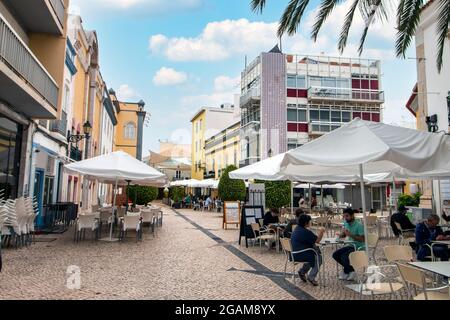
x,y
76,138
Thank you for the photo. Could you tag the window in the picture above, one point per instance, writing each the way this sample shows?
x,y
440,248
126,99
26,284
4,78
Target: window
x,y
324,115
294,81
335,116
314,115
346,116
302,115
130,131
66,98
292,115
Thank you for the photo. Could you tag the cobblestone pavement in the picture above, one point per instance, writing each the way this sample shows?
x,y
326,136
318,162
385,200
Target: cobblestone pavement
x,y
191,257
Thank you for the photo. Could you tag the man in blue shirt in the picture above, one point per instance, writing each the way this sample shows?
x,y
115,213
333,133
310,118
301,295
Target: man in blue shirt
x,y
427,232
302,239
354,230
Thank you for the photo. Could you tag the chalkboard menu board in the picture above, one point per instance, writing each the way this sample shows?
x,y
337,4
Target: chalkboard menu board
x,y
230,213
249,215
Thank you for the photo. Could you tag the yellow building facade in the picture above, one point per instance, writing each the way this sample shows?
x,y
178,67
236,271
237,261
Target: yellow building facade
x,y
128,134
222,150
197,147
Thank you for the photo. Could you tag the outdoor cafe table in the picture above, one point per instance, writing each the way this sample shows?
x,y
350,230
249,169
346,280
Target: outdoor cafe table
x,y
438,267
334,242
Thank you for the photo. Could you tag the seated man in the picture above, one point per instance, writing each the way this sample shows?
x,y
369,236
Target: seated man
x,y
302,239
429,231
288,230
271,217
354,230
401,218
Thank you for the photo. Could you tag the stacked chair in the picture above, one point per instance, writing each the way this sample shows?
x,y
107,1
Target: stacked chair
x,y
17,218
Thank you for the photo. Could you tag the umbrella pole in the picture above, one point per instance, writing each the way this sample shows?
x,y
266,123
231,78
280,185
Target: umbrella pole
x,y
310,196
112,214
321,194
292,198
363,199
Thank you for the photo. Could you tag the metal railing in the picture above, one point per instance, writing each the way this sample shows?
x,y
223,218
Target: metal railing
x,y
60,126
19,58
345,94
252,94
59,216
60,10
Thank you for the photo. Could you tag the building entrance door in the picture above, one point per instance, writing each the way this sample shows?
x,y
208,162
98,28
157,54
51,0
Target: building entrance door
x,y
39,194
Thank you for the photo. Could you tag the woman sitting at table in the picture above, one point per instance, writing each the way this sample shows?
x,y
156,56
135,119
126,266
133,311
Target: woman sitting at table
x,y
302,238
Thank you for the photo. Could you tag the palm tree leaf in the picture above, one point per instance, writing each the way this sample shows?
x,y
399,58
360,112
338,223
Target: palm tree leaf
x,y
375,6
443,21
292,16
258,5
408,17
325,10
346,27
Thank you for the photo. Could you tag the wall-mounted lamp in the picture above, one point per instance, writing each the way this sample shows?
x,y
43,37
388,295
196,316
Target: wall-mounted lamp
x,y
432,123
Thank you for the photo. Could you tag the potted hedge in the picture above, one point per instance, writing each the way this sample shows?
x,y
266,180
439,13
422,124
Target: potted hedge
x,y
231,189
177,195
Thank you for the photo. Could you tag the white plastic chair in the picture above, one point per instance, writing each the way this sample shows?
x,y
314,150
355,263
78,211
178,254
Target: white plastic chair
x,y
148,217
131,223
85,222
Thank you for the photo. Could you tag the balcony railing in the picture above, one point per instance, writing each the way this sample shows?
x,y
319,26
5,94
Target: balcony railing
x,y
76,154
60,126
19,58
60,11
253,94
345,94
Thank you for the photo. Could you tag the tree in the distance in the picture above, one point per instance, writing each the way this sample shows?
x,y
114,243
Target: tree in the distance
x,y
142,195
231,189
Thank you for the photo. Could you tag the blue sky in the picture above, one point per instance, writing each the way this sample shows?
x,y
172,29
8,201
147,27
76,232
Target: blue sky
x,y
181,55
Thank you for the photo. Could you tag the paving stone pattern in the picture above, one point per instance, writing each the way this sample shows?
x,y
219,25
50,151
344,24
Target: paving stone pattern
x,y
191,257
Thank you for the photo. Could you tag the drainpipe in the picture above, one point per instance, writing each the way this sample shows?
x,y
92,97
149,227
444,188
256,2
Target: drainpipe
x,y
30,169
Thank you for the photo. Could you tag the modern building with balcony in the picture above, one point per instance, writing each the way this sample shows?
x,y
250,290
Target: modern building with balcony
x,y
287,100
32,63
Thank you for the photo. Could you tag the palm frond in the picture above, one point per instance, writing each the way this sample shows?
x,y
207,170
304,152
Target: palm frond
x,y
325,10
443,21
369,10
292,16
408,17
346,27
258,5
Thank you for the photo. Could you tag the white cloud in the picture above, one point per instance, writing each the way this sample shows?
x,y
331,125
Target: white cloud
x,y
137,7
225,83
168,76
223,39
218,41
127,93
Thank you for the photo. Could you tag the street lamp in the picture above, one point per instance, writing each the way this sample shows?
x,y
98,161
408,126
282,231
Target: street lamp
x,y
76,138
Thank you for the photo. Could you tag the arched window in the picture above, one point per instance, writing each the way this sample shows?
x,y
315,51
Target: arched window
x,y
130,131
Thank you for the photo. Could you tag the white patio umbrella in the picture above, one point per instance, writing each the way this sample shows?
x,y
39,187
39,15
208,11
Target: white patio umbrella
x,y
118,167
366,147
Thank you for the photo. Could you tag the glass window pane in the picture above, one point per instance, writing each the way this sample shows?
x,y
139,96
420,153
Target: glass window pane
x,y
314,115
325,128
302,115
335,116
316,127
346,116
334,127
291,81
301,82
329,82
324,115
292,115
